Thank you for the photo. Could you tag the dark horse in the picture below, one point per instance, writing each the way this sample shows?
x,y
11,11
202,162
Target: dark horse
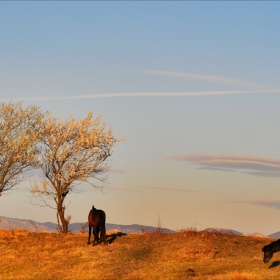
x,y
270,249
96,222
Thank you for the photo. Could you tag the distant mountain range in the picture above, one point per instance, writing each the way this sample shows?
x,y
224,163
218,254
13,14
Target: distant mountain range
x,y
274,235
13,223
234,232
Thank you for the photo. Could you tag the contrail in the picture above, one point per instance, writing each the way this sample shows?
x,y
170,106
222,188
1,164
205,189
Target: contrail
x,y
212,79
140,94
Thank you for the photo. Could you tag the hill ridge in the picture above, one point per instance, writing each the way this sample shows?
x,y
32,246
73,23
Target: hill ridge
x,y
15,223
28,224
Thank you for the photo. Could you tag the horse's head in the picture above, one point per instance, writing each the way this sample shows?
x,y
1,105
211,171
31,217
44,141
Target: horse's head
x,y
267,253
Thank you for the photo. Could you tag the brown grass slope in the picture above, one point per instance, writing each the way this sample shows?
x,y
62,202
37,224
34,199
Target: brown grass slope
x,y
187,254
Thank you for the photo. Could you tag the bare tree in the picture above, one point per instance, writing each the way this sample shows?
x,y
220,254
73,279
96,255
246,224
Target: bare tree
x,y
71,152
19,130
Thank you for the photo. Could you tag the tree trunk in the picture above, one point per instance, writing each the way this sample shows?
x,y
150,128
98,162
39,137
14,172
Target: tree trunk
x,y
64,222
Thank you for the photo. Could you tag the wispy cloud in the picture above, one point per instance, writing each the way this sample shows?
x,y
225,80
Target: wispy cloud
x,y
118,189
264,174
180,190
212,79
267,203
140,94
135,189
216,169
253,165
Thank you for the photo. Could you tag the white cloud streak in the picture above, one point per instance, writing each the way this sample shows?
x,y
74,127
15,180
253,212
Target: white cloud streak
x,y
266,203
253,165
250,88
212,79
118,189
181,190
116,170
138,94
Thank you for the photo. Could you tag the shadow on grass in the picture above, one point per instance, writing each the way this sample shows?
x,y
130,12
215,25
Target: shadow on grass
x,y
112,237
274,264
109,238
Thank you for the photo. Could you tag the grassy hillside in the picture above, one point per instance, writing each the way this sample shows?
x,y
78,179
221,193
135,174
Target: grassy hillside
x,y
184,255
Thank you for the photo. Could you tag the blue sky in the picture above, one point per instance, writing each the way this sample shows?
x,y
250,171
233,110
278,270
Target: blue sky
x,y
192,86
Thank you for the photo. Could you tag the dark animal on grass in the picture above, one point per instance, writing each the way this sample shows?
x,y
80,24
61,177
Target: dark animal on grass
x,y
270,249
96,222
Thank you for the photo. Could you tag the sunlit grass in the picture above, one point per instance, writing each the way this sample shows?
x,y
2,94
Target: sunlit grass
x,y
188,254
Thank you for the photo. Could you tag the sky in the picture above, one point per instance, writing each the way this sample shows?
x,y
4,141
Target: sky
x,y
192,86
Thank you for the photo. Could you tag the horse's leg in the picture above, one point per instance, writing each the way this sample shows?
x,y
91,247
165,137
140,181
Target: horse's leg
x,y
95,232
89,233
98,236
103,234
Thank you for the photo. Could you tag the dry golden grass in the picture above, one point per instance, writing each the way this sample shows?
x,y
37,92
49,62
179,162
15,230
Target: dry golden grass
x,y
187,254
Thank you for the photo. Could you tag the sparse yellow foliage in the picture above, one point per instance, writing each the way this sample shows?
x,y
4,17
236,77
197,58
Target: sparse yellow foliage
x,y
19,130
71,152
